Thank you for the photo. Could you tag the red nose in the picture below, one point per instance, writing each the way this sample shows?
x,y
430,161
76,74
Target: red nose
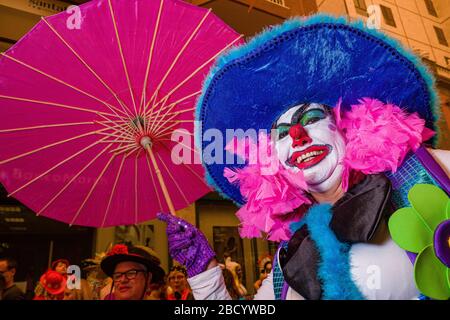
x,y
299,136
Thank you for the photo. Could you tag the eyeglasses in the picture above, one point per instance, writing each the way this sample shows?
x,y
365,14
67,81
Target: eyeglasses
x,y
130,274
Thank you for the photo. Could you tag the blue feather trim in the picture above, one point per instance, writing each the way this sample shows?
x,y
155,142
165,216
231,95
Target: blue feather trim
x,y
334,267
294,226
296,22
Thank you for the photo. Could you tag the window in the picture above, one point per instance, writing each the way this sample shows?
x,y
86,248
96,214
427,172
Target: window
x,y
361,7
430,7
441,36
388,16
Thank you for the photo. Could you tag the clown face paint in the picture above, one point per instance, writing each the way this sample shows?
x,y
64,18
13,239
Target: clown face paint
x,y
307,139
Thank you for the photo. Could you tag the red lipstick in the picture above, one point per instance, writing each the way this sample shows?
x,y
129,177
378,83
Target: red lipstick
x,y
309,157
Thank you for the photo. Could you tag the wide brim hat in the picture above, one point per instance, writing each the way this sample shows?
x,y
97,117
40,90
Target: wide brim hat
x,y
320,59
133,254
53,282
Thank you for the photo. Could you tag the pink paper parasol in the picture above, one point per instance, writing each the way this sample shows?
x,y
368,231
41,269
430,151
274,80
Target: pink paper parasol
x,y
88,107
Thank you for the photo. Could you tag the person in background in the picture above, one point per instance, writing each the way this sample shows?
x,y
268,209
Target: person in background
x,y
177,281
236,270
8,267
60,266
265,267
53,286
133,270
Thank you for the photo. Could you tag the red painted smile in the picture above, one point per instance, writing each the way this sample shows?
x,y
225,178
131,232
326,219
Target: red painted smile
x,y
309,157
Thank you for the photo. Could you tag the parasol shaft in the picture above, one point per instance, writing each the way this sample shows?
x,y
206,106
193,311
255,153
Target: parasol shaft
x,y
160,179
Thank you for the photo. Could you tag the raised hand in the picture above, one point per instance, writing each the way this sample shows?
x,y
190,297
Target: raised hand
x,y
187,244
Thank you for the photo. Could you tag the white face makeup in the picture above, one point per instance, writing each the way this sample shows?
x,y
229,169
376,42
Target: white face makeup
x,y
307,139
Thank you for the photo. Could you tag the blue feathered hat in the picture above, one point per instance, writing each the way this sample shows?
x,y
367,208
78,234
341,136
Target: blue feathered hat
x,y
320,59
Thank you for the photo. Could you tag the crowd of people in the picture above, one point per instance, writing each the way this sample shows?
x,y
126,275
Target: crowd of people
x,y
125,272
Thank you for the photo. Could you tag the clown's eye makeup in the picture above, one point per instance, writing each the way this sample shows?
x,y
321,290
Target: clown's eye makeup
x,y
282,131
312,116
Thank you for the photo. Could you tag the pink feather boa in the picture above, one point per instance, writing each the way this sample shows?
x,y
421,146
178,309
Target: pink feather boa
x,y
378,138
272,193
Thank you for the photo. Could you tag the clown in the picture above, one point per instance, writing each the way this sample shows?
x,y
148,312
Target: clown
x,y
350,117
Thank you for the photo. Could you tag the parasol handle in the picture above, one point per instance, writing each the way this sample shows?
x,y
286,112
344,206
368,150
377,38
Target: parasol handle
x,y
146,143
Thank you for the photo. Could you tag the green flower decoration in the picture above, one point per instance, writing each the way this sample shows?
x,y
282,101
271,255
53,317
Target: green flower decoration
x,y
424,229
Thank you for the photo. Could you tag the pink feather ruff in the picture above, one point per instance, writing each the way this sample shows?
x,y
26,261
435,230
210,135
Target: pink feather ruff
x,y
272,193
378,136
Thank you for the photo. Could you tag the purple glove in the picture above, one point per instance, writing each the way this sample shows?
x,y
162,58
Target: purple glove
x,y
187,244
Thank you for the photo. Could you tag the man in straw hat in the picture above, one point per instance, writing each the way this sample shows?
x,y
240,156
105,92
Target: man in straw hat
x,y
132,269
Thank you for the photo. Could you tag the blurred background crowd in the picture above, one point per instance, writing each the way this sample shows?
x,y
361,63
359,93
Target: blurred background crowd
x,y
61,281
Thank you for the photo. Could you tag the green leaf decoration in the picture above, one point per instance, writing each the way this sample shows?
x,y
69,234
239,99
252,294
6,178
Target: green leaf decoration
x,y
448,209
431,276
431,202
409,231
